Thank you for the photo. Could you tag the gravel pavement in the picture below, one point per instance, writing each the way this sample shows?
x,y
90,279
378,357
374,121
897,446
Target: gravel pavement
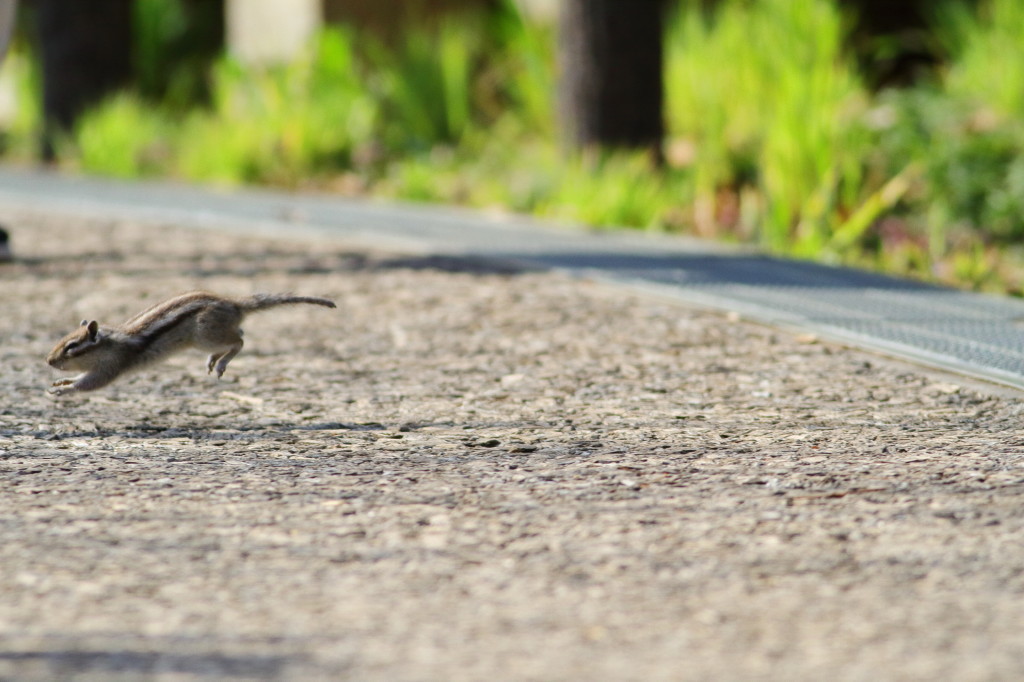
x,y
467,473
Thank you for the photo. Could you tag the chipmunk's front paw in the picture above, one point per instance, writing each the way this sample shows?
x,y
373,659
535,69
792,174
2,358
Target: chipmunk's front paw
x,y
61,387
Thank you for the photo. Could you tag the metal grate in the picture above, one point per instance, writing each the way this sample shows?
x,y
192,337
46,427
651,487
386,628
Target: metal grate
x,y
974,334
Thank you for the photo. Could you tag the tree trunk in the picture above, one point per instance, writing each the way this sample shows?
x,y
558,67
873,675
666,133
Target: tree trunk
x,y
892,41
611,60
8,18
86,54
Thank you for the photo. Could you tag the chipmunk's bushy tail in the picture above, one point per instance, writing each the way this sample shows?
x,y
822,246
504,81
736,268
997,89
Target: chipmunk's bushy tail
x,y
264,301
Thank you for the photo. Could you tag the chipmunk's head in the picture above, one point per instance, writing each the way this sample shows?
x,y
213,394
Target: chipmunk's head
x,y
69,351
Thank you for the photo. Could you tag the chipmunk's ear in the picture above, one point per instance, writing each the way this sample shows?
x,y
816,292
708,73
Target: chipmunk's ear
x,y
93,327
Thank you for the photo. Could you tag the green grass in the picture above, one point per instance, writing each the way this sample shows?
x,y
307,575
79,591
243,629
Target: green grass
x,y
986,68
773,136
123,138
280,125
767,97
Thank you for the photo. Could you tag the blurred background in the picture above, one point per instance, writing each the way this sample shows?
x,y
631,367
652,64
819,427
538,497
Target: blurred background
x,y
883,134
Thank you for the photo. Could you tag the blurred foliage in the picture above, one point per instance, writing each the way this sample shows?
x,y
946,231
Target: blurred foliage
x,y
23,114
176,41
786,125
773,138
283,124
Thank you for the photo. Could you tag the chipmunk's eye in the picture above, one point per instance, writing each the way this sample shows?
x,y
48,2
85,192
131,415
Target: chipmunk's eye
x,y
71,346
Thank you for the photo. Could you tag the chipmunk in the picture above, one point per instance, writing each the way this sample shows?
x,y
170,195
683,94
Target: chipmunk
x,y
197,319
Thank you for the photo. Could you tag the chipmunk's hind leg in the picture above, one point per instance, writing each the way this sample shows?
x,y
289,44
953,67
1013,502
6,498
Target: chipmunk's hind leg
x,y
224,348
221,335
218,361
